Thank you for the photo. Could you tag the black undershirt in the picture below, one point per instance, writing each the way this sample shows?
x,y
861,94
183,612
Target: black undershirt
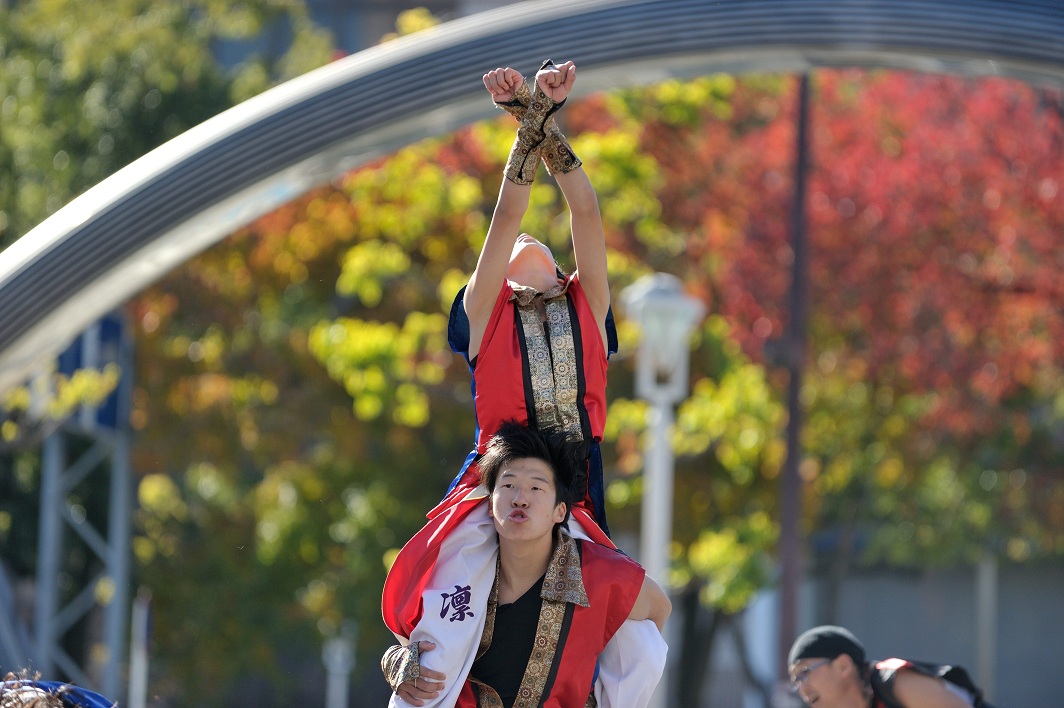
x,y
503,665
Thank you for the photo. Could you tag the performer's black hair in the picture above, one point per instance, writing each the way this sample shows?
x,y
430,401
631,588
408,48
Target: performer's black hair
x,y
566,458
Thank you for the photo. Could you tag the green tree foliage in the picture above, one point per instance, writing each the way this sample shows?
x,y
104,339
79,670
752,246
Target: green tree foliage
x,y
933,221
298,480
84,92
86,88
931,391
936,222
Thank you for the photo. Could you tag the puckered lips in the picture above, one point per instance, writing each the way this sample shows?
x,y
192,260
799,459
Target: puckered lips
x,y
518,515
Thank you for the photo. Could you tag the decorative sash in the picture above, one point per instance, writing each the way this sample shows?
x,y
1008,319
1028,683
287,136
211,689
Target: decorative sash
x,y
562,586
552,359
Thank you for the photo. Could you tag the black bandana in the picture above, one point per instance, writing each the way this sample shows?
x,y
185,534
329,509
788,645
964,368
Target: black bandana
x,y
826,642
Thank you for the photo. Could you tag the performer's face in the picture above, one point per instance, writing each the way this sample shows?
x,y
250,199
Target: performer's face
x,y
524,502
529,252
820,682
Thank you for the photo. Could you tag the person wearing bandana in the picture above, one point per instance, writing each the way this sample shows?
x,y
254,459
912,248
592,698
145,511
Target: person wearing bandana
x,y
829,669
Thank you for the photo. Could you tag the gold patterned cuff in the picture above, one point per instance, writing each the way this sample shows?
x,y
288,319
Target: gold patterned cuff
x,y
555,151
523,161
401,664
557,155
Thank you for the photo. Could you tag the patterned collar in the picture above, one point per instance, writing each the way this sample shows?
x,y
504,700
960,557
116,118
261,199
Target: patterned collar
x,y
525,295
564,581
562,584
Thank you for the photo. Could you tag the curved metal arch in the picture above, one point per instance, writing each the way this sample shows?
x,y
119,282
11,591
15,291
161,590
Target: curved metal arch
x,y
183,197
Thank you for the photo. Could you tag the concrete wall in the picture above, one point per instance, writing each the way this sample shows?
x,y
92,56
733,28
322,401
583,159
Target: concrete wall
x,y
924,615
932,616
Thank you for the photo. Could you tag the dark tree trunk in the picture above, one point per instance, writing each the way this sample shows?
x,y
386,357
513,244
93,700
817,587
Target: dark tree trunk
x,y
697,631
744,657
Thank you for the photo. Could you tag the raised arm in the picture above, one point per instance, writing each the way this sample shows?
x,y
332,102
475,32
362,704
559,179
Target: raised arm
x,y
483,288
504,85
652,603
486,279
589,242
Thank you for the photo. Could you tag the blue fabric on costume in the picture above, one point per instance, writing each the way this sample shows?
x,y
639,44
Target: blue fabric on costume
x,y
72,696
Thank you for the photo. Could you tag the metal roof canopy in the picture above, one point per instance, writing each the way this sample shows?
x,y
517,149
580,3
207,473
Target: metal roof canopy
x,y
183,197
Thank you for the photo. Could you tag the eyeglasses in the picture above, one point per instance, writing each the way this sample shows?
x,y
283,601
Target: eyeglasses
x,y
803,673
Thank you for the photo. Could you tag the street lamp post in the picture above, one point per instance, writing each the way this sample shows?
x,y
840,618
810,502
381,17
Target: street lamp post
x,y
338,655
667,317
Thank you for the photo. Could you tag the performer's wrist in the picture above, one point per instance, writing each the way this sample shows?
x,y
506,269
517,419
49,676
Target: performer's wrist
x,y
401,664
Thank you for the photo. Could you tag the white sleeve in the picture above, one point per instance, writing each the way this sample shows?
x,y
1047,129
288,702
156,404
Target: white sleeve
x,y
455,604
631,664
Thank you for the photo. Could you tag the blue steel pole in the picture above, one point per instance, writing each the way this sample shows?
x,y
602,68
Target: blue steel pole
x,y
53,460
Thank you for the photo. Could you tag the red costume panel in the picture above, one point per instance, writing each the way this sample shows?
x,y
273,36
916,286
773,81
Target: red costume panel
x,y
502,379
612,581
